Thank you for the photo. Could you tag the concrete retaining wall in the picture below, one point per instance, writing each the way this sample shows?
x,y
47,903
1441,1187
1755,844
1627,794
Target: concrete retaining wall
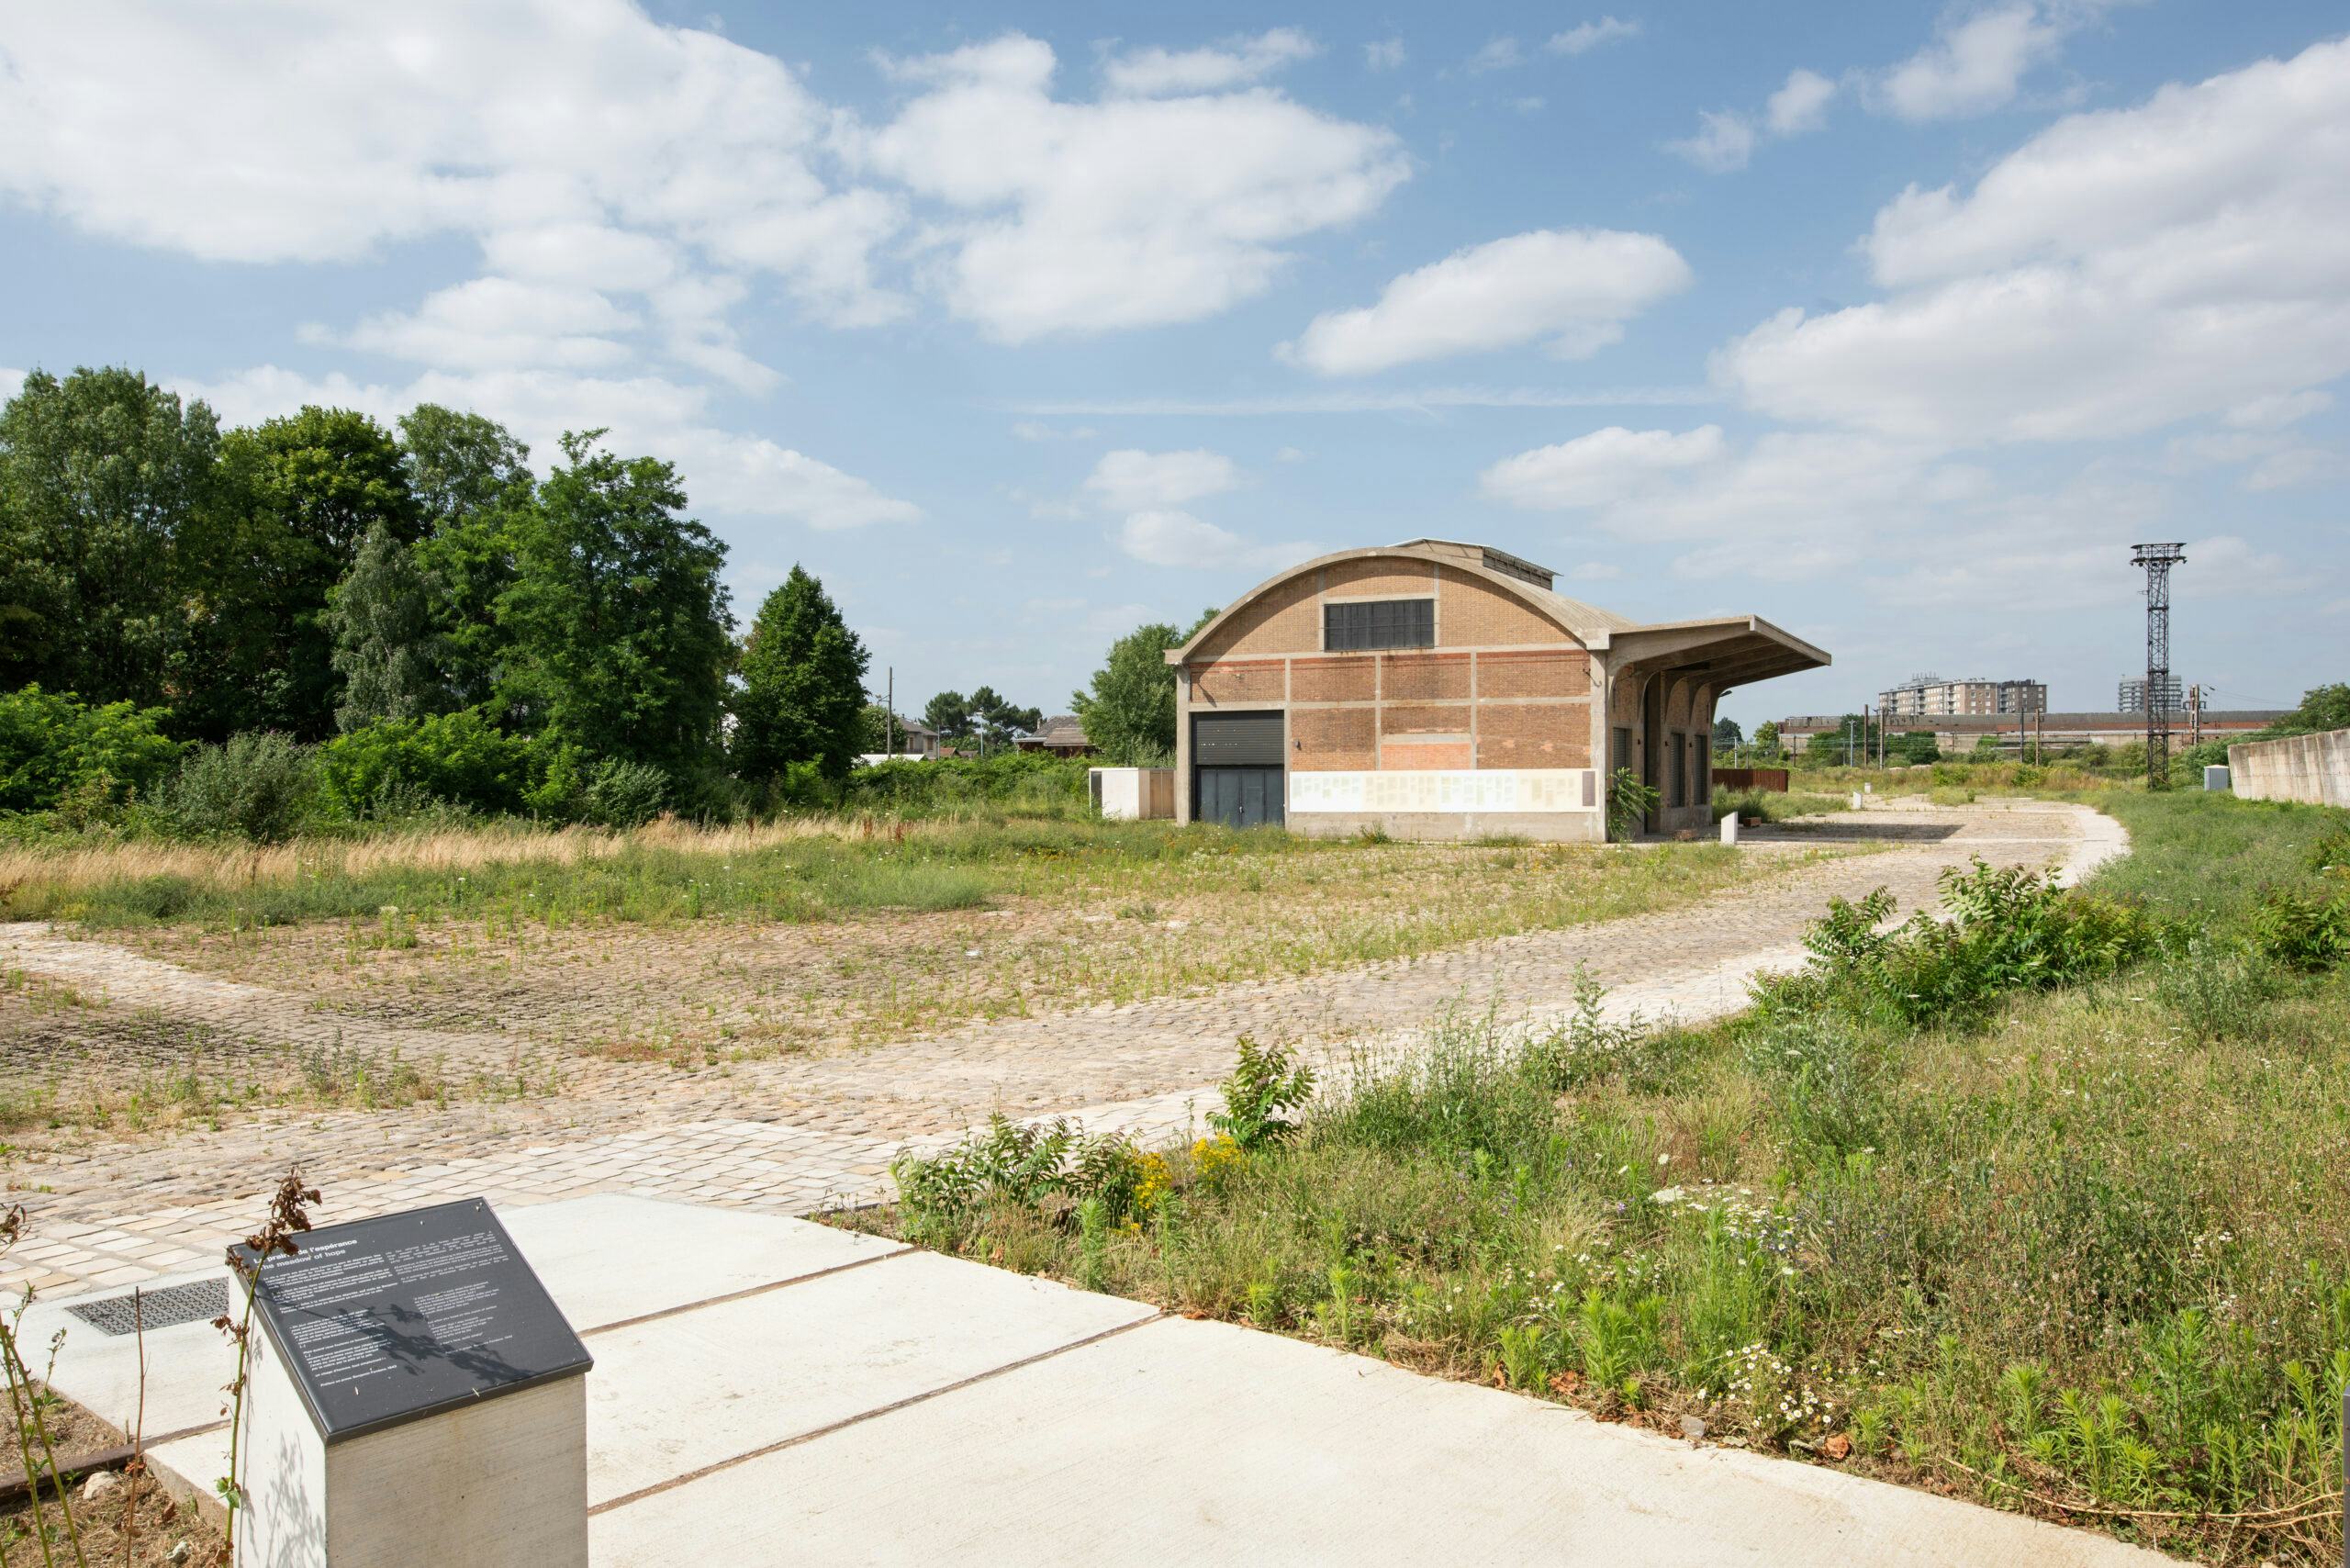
x,y
2312,768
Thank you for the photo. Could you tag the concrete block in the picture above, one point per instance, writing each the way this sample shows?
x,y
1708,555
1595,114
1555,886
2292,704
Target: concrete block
x,y
2215,778
502,1483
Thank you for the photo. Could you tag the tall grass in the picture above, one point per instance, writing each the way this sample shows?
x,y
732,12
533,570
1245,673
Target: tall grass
x,y
2078,1250
789,868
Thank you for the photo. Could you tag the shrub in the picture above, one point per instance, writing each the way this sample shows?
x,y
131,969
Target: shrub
x,y
458,758
625,794
1266,1082
1629,803
2301,931
2009,929
1031,781
1050,1168
53,748
260,785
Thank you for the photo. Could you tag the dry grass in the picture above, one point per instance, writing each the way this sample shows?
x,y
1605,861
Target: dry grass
x,y
227,867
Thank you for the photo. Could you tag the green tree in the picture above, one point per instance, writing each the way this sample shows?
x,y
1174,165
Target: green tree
x,y
1727,735
1129,709
878,730
1914,747
386,647
802,698
105,479
54,748
615,619
1766,740
303,494
996,717
459,465
949,713
2324,707
472,481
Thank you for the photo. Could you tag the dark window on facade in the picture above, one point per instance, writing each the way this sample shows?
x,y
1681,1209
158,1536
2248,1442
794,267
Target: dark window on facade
x,y
1701,783
1623,752
1680,781
1379,624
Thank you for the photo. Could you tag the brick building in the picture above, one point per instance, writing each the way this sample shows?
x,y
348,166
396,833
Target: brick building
x,y
1440,689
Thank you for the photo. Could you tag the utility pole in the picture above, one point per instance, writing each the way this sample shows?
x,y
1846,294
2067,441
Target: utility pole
x,y
2158,559
889,714
2195,715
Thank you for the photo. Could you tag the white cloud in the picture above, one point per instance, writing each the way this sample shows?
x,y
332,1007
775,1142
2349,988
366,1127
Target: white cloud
x,y
1724,142
1074,216
495,323
1130,479
1605,466
1800,105
1387,54
217,131
1575,287
2120,271
2295,469
1976,60
1584,36
1596,572
2278,409
1157,73
1178,539
1499,54
725,472
1726,138
1029,429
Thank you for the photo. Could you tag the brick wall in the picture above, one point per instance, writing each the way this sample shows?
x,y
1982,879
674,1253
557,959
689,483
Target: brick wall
x,y
1506,687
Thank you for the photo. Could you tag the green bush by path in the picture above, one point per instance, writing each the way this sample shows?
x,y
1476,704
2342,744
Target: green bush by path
x,y
2076,1246
56,749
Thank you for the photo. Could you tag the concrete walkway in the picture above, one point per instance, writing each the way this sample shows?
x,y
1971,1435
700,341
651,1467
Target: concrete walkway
x,y
768,1392
799,1135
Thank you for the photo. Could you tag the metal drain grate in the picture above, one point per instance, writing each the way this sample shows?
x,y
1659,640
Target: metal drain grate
x,y
157,1309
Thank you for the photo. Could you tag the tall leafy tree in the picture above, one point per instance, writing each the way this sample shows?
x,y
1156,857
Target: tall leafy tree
x,y
803,685
304,492
1766,739
105,479
949,713
616,618
386,648
1129,709
996,716
471,480
459,463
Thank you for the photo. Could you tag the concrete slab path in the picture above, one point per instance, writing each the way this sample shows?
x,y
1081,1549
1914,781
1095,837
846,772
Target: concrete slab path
x,y
863,1403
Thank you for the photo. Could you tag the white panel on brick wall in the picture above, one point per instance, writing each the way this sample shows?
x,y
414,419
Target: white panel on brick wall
x,y
1442,790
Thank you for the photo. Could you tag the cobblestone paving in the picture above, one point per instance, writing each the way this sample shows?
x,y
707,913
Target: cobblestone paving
x,y
800,1134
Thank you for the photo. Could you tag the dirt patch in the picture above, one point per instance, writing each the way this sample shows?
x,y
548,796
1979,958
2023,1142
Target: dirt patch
x,y
729,988
132,1522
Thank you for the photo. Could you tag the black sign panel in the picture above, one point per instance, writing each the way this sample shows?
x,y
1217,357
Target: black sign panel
x,y
386,1320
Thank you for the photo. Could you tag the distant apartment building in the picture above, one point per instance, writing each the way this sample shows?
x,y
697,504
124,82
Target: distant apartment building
x,y
2131,695
1930,696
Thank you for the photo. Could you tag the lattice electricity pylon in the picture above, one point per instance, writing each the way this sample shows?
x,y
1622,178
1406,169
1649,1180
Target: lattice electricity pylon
x,y
2158,559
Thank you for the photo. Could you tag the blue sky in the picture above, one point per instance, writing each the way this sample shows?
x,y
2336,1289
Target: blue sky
x,y
1022,325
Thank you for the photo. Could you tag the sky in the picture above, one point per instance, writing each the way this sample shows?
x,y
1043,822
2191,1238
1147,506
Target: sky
x,y
1023,325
